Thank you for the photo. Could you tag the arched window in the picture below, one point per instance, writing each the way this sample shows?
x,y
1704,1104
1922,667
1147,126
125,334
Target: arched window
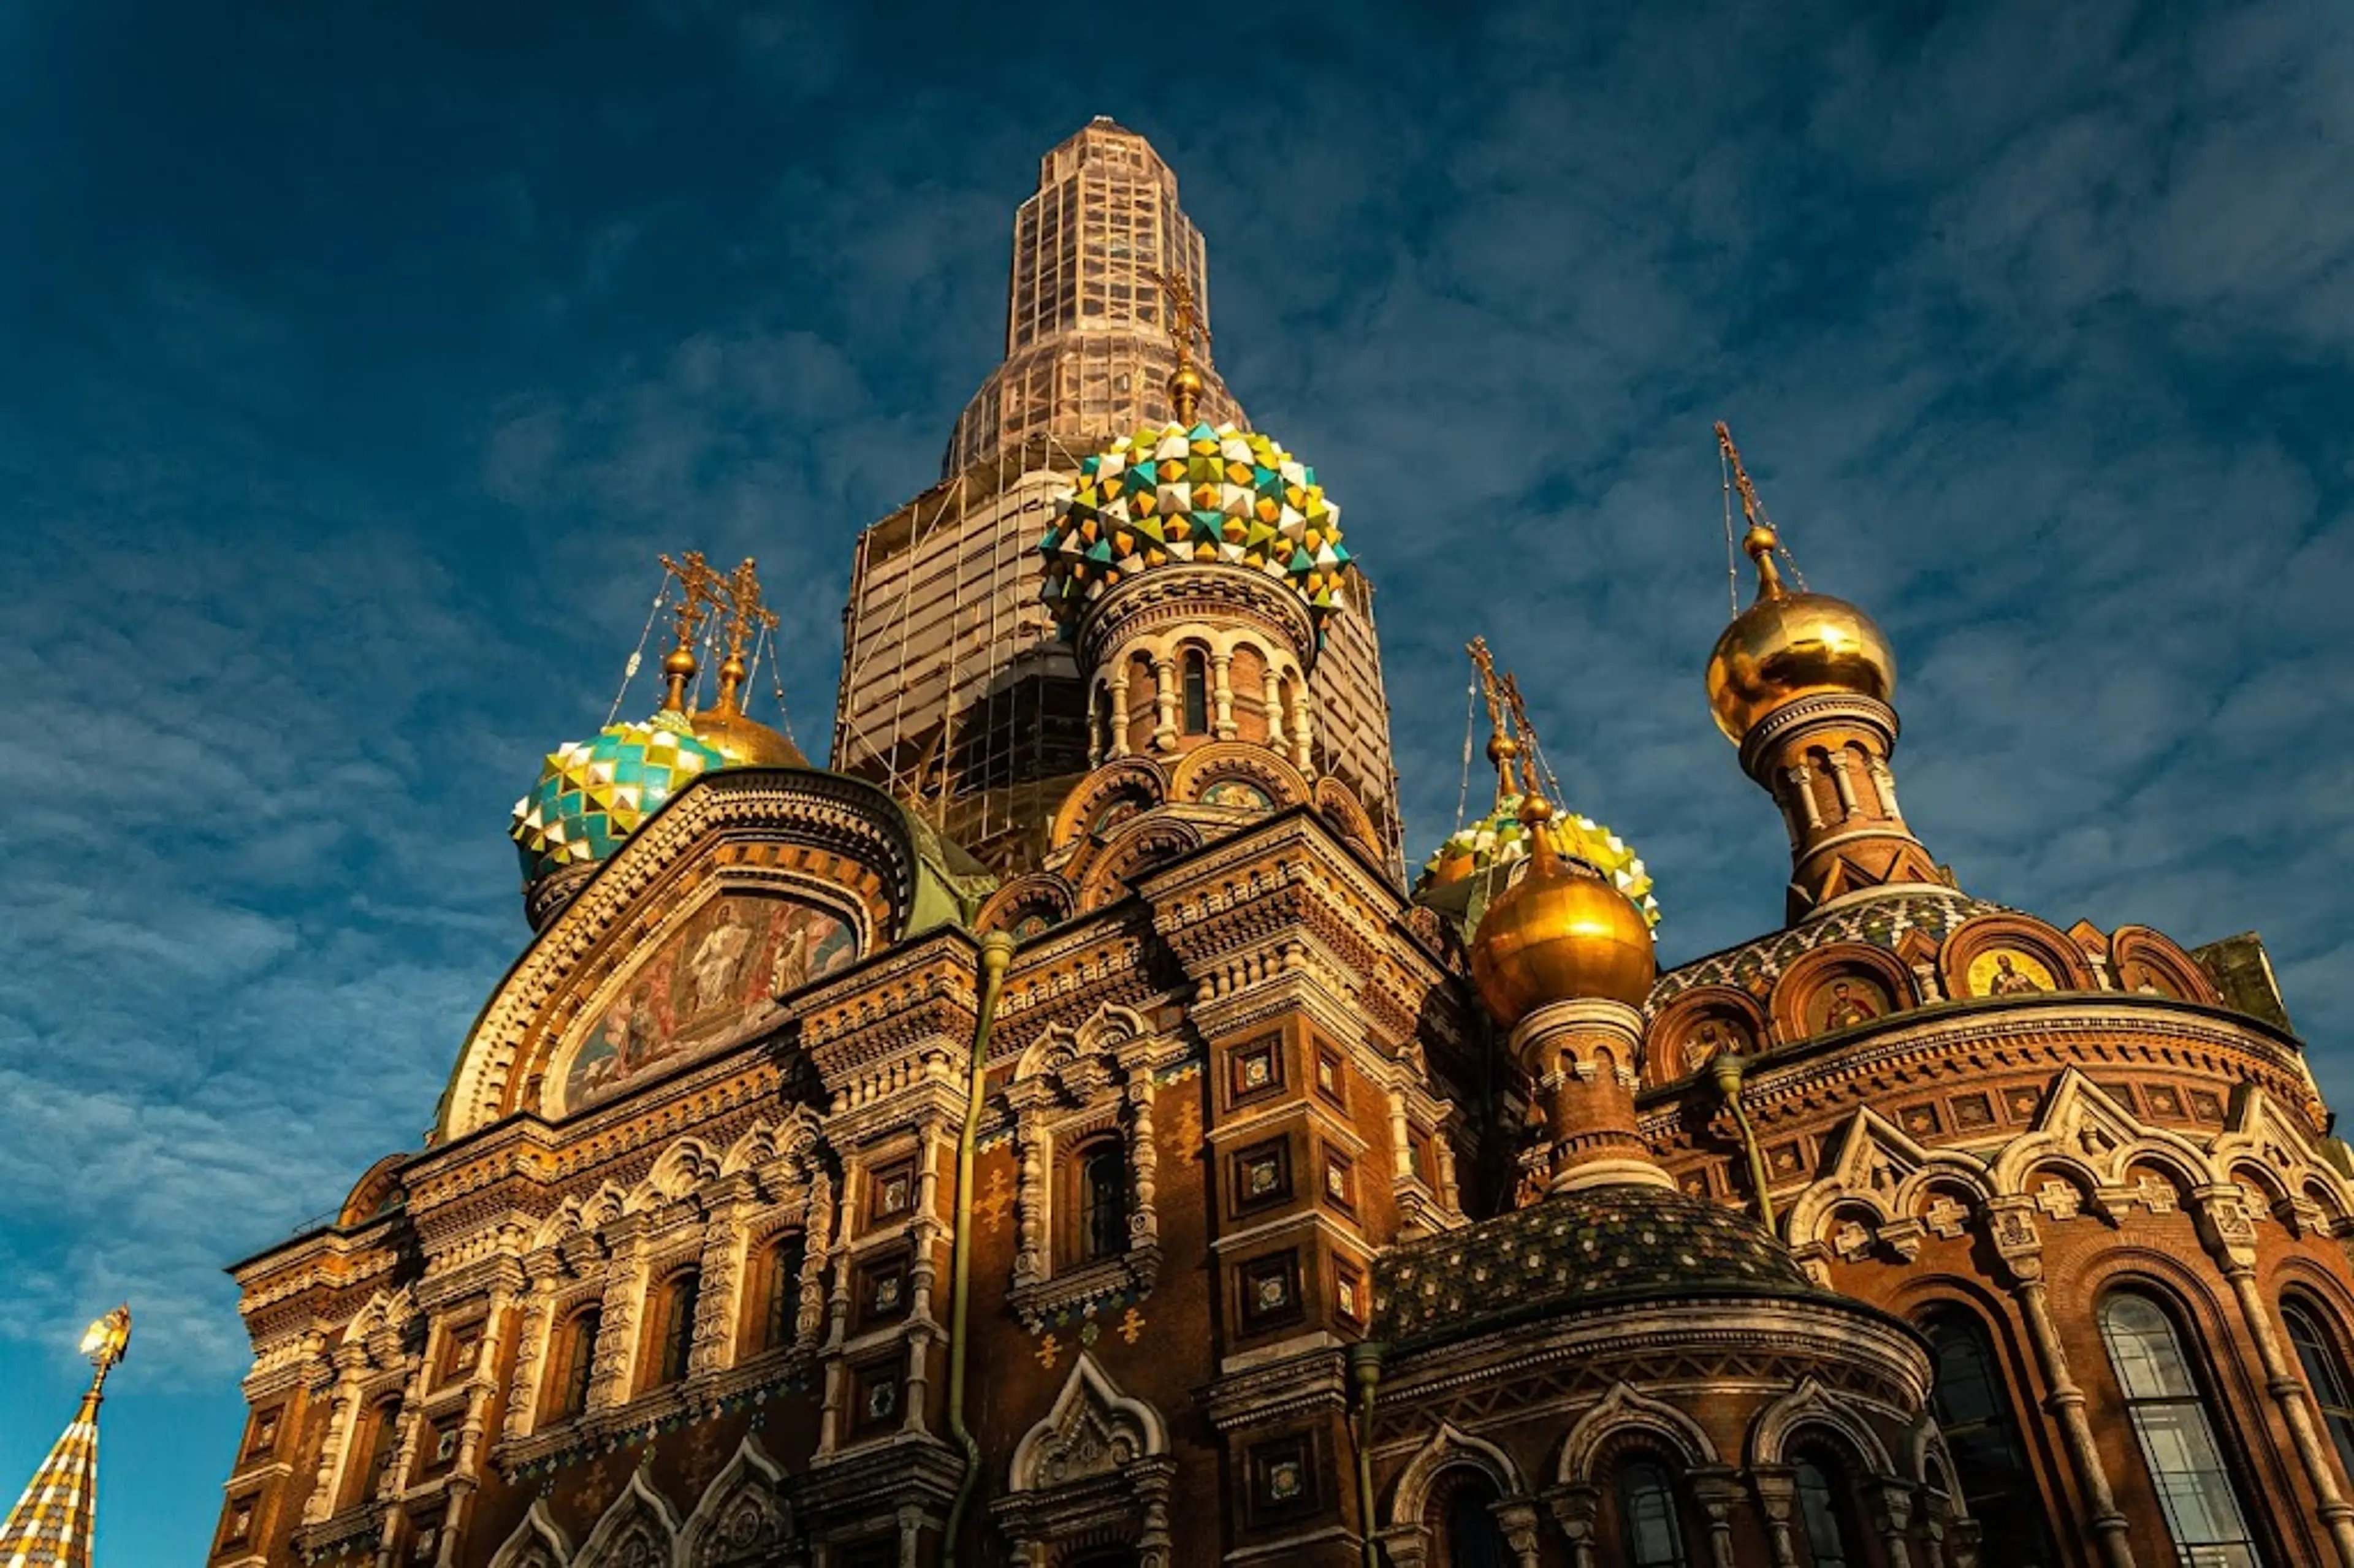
x,y
1652,1535
1197,692
383,1430
2325,1374
2178,1442
1103,1201
1974,1410
1822,1513
675,1326
1469,1533
577,1367
781,1323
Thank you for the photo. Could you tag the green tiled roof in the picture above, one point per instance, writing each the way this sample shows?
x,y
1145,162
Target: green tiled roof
x,y
1574,1249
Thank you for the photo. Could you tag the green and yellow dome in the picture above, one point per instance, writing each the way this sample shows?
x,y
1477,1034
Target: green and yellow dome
x,y
593,794
1495,841
1188,494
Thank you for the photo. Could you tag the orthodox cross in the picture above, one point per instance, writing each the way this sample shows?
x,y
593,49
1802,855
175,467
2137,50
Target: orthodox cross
x,y
746,614
1185,322
699,588
1753,511
1502,747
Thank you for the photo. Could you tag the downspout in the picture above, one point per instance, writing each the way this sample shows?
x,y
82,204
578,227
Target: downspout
x,y
1365,1364
996,952
1727,1068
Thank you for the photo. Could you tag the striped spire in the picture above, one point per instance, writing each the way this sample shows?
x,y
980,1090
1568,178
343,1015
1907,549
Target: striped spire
x,y
53,1523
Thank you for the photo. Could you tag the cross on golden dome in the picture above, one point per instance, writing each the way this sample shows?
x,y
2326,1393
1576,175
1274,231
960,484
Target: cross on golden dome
x,y
1185,323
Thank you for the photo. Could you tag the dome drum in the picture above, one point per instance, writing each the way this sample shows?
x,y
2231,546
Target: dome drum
x,y
1192,594
1878,721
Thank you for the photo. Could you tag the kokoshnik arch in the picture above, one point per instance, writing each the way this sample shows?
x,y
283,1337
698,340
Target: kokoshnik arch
x,y
1062,1133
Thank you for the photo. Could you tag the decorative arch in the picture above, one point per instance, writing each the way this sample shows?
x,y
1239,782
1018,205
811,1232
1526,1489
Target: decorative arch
x,y
2150,962
1998,955
1448,1448
1138,850
1095,1470
1138,782
821,838
1339,805
376,1191
742,1518
685,1166
537,1543
2084,1131
1841,985
1028,907
1060,1053
640,1529
1200,772
1886,1185
1811,1404
794,1141
1699,1025
1623,1410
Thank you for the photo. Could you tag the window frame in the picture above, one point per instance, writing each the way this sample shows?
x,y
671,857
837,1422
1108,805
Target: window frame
x,y
1192,691
576,1377
1836,1470
2194,1397
781,1304
2321,1341
2004,1425
1095,1236
679,1294
1623,1505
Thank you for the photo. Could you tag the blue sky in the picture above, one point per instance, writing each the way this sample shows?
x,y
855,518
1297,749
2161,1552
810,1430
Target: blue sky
x,y
359,360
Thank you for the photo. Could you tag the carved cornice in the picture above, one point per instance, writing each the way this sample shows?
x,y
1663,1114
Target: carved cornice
x,y
1784,723
1180,593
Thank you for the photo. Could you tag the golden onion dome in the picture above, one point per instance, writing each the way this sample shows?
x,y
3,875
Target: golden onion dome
x,y
1560,932
1790,645
744,741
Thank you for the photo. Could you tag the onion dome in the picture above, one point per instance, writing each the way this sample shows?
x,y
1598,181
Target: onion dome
x,y
1499,839
1192,493
593,794
1559,932
1790,645
741,740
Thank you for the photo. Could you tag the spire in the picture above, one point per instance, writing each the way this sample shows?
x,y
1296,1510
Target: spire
x,y
54,1522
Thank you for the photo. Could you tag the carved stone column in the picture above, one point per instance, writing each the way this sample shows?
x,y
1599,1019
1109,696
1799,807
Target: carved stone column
x,y
1144,1162
2229,1233
1517,1518
1222,696
1271,697
1029,1199
482,1383
350,1364
1802,795
536,1316
2010,1226
1777,1497
1892,1513
1718,1492
617,1322
1843,785
817,1230
726,1247
1575,1510
1303,732
1119,713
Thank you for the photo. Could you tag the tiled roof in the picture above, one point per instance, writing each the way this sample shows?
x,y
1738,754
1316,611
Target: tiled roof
x,y
1573,1250
1880,922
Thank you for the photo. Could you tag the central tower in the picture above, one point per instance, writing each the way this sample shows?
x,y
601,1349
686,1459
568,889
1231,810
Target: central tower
x,y
958,693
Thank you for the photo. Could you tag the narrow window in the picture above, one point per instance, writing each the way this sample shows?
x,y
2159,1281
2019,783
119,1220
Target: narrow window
x,y
1103,723
677,1325
2178,1442
784,1297
1819,1516
1197,692
2324,1374
1103,1202
1474,1539
1974,1410
580,1364
384,1426
1647,1516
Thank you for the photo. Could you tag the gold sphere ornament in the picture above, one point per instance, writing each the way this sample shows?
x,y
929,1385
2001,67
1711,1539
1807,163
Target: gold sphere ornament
x,y
1790,645
1560,932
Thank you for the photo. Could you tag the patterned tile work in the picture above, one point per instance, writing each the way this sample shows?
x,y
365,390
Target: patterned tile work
x,y
593,794
1198,494
51,1525
1572,1248
1452,880
1880,922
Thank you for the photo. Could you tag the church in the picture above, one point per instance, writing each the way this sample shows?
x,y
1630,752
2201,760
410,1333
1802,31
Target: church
x,y
1071,1129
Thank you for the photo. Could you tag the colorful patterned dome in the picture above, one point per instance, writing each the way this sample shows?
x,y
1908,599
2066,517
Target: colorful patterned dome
x,y
593,794
1191,495
1499,839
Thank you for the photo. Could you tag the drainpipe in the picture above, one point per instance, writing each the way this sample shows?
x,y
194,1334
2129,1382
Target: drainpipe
x,y
996,952
1726,1069
1365,1365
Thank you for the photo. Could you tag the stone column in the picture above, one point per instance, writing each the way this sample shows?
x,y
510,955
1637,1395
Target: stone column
x,y
351,1364
1517,1518
1575,1508
1893,1512
726,1247
1143,1160
1718,1493
1303,732
817,1215
2011,1229
1271,695
1843,784
1119,712
1222,696
2229,1233
1030,1200
536,1318
1802,796
1777,1497
480,1383
617,1322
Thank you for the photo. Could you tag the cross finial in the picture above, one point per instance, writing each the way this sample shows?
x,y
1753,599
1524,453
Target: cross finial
x,y
747,617
1502,746
1187,324
1762,539
699,590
